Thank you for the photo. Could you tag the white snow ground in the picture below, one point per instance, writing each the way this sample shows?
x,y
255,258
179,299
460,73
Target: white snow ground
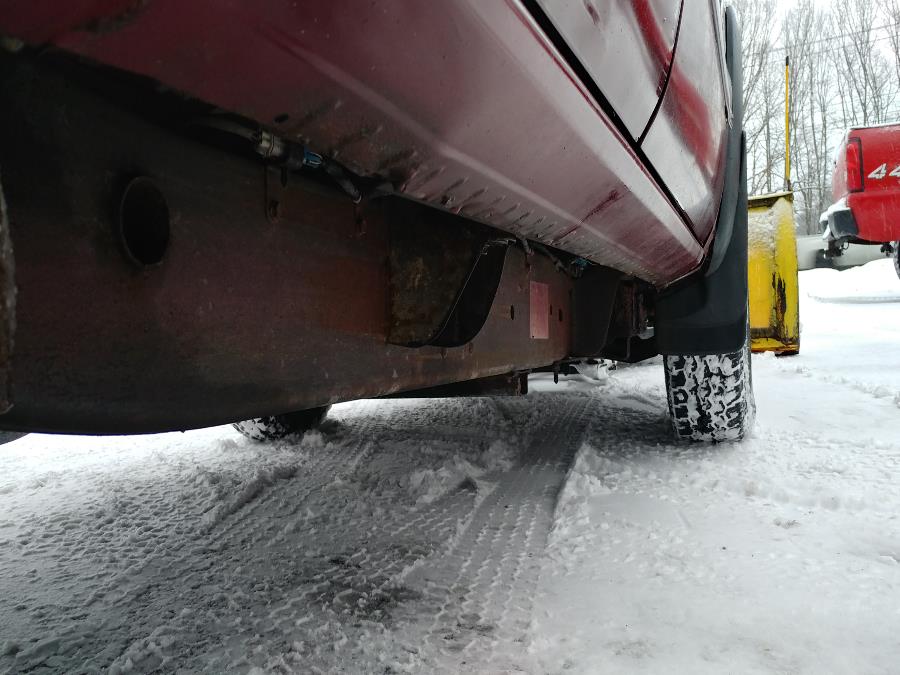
x,y
559,533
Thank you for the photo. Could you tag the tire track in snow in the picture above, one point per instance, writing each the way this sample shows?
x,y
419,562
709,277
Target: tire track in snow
x,y
126,593
480,592
877,391
306,564
260,534
224,525
340,587
273,494
317,471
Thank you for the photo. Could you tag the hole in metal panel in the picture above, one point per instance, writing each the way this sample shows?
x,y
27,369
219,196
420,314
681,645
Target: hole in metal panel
x,y
144,222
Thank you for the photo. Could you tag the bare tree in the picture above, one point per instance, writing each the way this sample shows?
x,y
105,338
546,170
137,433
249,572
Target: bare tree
x,y
845,71
821,112
890,9
810,113
864,75
761,106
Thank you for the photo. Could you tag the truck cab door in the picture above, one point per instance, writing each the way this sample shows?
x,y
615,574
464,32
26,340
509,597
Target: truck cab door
x,y
626,47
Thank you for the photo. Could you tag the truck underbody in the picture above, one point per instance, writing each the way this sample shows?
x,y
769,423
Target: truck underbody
x,y
195,286
168,263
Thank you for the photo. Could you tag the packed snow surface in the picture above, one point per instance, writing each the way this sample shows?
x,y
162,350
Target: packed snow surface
x,y
562,532
873,282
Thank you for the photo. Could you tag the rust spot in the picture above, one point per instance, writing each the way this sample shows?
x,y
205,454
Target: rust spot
x,y
780,309
488,212
456,184
474,195
565,234
313,115
523,216
609,200
422,183
401,157
512,209
592,11
350,139
471,205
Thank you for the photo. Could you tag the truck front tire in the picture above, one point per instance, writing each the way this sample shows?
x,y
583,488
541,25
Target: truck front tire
x,y
710,396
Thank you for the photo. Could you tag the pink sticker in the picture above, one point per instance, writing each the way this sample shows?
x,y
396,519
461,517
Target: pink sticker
x,y
540,311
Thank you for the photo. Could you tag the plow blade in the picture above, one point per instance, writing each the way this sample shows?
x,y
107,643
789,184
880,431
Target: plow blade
x,y
774,285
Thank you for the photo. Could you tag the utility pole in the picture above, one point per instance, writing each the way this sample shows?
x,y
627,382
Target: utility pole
x,y
787,123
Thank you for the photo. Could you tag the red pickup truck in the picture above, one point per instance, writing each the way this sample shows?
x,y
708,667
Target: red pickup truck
x,y
220,211
865,187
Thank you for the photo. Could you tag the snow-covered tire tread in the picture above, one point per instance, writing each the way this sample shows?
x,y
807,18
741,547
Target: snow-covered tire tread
x,y
275,427
710,396
896,246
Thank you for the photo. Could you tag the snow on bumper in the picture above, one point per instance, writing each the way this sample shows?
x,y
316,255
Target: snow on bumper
x,y
839,222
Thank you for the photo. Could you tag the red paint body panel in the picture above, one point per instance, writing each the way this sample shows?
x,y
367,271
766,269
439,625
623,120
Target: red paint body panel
x,y
626,46
877,215
687,141
875,209
42,21
464,105
839,187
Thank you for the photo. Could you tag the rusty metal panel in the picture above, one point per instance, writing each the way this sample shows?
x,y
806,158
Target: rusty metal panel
x,y
593,304
510,384
428,271
464,105
242,316
443,278
774,284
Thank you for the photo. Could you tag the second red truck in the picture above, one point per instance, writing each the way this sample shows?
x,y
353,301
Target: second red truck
x,y
866,191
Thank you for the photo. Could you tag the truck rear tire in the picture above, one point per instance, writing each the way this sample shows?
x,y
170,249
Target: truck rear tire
x,y
711,396
274,427
896,245
824,261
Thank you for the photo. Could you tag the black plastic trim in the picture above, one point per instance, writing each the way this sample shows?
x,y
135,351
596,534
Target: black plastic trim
x,y
842,224
857,141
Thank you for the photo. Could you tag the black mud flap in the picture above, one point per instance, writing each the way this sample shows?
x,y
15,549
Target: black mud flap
x,y
7,309
707,313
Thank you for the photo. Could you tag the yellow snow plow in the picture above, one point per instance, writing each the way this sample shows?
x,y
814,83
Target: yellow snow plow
x,y
774,285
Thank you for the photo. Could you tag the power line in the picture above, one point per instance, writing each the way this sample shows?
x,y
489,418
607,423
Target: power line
x,y
873,29
768,52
